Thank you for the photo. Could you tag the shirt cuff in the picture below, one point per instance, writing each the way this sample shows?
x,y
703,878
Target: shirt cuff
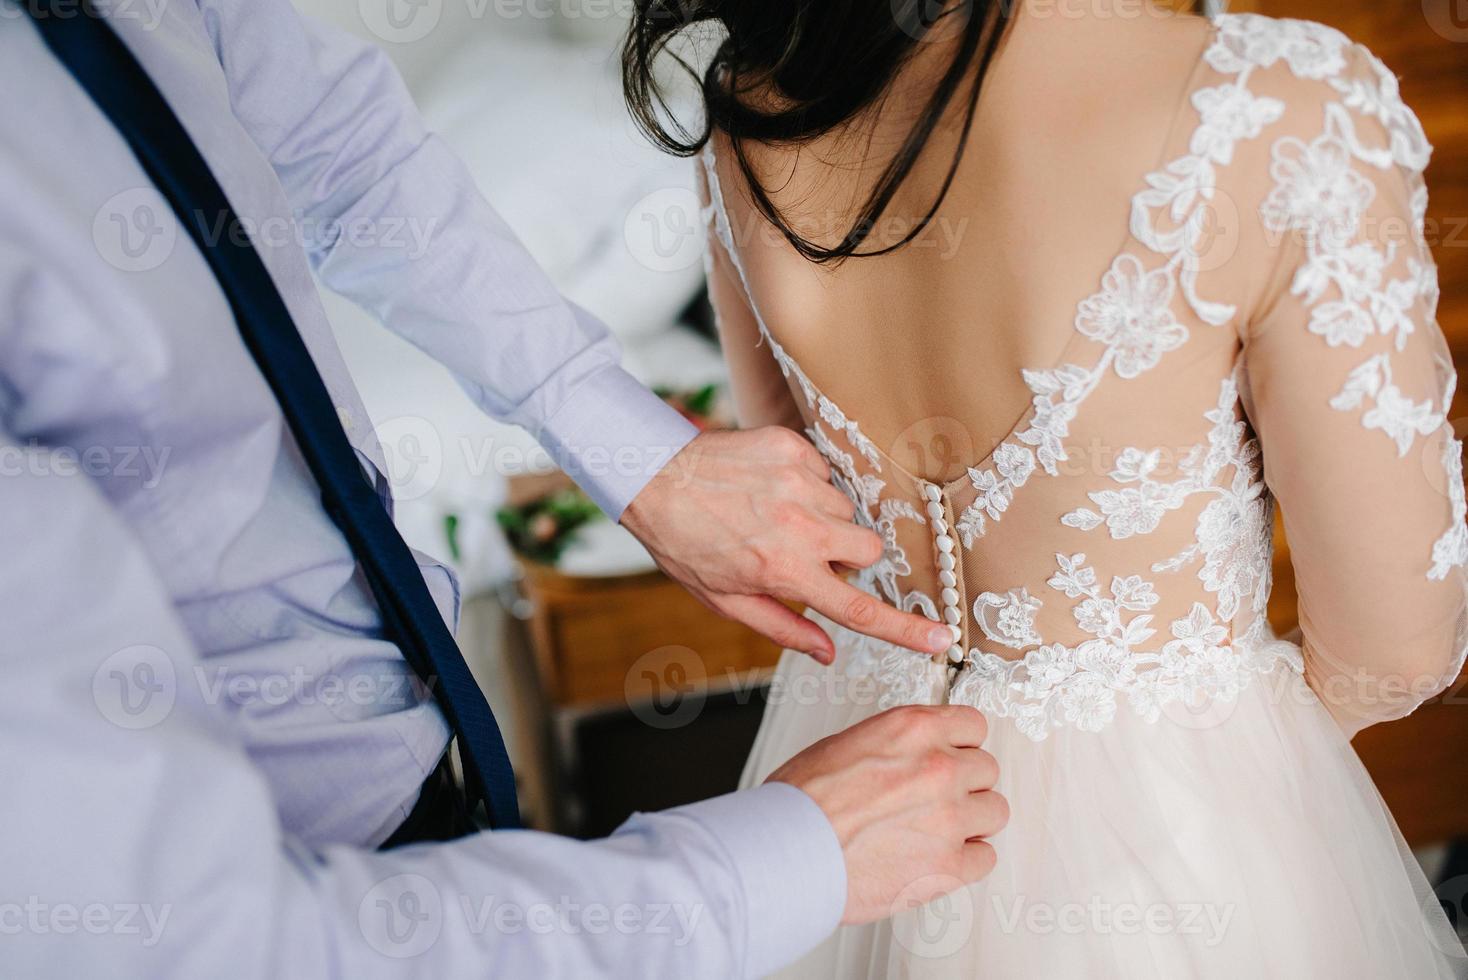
x,y
612,435
790,867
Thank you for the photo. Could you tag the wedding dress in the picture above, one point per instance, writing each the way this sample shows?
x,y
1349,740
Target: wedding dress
x,y
1185,800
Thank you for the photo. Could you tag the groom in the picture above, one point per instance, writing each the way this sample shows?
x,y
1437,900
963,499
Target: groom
x,y
216,731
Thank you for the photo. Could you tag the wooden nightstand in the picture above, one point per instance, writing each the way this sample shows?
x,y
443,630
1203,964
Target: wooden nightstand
x,y
634,695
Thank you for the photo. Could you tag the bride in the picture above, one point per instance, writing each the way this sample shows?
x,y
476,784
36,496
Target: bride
x,y
1069,295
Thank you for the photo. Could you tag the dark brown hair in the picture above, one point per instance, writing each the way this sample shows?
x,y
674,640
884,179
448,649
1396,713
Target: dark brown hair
x,y
826,62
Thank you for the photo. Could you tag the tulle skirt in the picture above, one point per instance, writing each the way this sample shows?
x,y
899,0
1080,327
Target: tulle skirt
x,y
1243,840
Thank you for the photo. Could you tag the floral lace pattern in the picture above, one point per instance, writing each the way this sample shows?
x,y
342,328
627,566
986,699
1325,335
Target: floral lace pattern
x,y
1128,658
1132,316
1058,685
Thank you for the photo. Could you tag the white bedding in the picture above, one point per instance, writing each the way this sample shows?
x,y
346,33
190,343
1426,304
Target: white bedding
x,y
542,127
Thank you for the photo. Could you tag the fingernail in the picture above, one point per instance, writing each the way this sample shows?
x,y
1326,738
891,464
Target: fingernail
x,y
940,638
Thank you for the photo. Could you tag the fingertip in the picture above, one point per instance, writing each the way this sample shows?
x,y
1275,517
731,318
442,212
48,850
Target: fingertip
x,y
806,636
938,637
819,647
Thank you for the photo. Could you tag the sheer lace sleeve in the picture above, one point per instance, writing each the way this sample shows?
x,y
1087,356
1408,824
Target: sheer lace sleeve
x,y
1349,384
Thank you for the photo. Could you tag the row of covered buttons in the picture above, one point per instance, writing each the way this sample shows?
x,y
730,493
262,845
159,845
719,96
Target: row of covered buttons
x,y
947,575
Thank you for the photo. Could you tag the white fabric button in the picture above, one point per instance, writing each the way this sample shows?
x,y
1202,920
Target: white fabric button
x,y
931,492
957,633
955,654
935,510
945,562
950,597
945,544
951,616
948,579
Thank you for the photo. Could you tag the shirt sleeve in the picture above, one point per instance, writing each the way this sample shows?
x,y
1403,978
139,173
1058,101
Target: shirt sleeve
x,y
1350,384
141,843
394,222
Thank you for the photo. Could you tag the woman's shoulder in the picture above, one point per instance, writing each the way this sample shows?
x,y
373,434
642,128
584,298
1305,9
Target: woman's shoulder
x,y
1314,78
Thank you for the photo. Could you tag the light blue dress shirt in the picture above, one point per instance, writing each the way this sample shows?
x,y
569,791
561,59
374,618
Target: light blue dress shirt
x,y
201,734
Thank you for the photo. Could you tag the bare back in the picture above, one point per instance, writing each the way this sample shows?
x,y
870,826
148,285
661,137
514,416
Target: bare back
x,y
1058,403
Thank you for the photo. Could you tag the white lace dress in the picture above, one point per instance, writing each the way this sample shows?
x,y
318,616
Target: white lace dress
x,y
1185,801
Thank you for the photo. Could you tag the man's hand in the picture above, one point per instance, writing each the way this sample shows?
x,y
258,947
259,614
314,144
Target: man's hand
x,y
910,794
744,519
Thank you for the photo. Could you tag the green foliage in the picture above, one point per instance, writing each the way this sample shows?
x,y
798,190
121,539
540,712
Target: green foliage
x,y
542,529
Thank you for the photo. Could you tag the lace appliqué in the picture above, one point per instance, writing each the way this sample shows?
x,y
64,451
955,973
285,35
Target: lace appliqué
x,y
1132,316
1233,536
1082,686
1132,313
1451,550
1127,659
1319,193
1391,411
1008,619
